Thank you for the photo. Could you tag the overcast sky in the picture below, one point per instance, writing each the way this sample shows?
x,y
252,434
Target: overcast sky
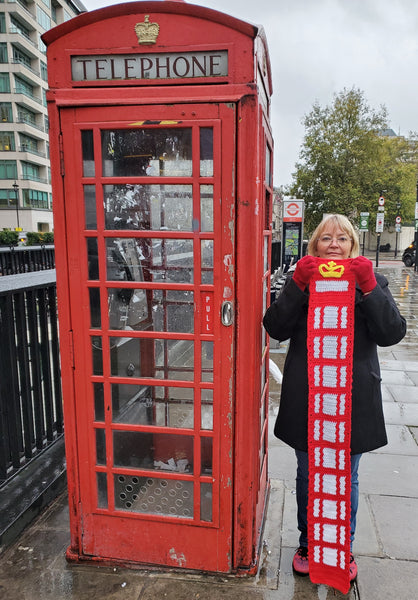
x,y
319,47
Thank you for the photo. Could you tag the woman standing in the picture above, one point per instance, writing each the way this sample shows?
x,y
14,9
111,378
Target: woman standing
x,y
377,322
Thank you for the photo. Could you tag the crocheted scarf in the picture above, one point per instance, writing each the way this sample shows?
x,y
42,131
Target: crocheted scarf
x,y
330,363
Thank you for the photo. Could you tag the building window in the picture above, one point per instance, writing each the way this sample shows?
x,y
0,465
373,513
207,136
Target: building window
x,y
25,115
28,144
6,112
44,71
7,141
3,53
21,58
23,87
17,27
30,171
8,169
35,199
4,83
7,198
2,23
43,19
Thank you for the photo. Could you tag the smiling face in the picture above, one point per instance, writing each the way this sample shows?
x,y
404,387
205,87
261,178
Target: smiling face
x,y
333,243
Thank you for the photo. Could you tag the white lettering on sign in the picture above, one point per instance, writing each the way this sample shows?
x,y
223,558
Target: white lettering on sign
x,y
149,66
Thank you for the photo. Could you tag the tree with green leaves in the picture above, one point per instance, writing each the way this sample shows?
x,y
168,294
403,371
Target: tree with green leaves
x,y
346,162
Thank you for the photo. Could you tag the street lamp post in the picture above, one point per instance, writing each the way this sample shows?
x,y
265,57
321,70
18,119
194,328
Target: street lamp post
x,y
16,189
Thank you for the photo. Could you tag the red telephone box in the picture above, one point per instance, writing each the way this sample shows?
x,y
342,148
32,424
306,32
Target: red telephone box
x,y
161,157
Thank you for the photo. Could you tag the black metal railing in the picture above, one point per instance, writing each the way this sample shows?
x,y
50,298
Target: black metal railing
x,y
30,384
25,259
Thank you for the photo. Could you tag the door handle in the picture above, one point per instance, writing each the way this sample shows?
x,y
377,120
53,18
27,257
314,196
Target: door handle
x,y
227,313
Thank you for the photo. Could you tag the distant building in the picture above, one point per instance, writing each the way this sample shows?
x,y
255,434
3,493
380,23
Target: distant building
x,y
24,147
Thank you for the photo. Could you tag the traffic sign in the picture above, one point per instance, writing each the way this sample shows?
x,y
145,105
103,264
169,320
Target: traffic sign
x,y
364,221
381,201
398,220
293,210
380,220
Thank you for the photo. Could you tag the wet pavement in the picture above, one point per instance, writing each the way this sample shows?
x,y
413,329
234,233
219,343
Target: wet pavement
x,y
386,545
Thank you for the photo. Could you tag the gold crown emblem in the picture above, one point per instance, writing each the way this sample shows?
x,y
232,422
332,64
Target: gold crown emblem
x,y
147,32
331,270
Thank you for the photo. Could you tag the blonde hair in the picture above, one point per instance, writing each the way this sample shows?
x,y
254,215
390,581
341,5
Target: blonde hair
x,y
334,221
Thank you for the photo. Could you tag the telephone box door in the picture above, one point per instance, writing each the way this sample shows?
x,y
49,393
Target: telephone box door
x,y
148,194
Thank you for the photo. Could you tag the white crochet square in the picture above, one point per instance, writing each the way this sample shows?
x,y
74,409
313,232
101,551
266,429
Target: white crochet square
x,y
317,457
317,554
341,460
317,317
342,560
317,430
317,375
317,403
329,534
330,557
317,480
343,510
342,535
329,376
317,532
330,346
331,286
342,404
343,377
329,458
341,433
343,347
342,486
329,484
329,433
316,507
317,346
330,320
343,317
329,509
329,406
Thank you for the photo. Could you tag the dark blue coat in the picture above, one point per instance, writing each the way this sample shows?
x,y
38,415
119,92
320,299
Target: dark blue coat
x,y
377,322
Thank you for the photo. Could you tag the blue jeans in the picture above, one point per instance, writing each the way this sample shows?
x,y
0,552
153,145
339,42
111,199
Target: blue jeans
x,y
302,495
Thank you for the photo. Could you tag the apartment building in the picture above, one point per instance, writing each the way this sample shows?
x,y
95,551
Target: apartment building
x,y
25,181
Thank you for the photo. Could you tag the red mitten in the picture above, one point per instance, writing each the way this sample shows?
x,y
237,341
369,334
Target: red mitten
x,y
305,268
363,270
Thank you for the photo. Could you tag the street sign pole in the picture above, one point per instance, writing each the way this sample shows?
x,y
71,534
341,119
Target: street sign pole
x,y
380,219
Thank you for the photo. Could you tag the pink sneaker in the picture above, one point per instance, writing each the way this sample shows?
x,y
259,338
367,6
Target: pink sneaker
x,y
300,561
353,568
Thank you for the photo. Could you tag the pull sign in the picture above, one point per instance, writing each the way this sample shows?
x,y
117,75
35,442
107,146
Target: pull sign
x,y
227,313
207,312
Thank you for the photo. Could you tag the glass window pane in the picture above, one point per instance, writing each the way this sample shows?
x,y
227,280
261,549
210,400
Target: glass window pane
x,y
90,206
97,355
206,444
142,259
206,151
101,490
92,259
147,152
206,207
88,153
99,412
148,207
207,409
100,447
152,405
160,359
157,310
206,254
206,501
95,315
153,451
150,495
207,361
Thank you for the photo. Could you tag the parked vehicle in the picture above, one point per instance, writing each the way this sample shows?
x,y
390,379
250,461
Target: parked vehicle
x,y
408,255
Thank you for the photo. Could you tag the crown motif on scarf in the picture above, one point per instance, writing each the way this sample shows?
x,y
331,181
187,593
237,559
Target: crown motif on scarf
x,y
331,270
147,32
